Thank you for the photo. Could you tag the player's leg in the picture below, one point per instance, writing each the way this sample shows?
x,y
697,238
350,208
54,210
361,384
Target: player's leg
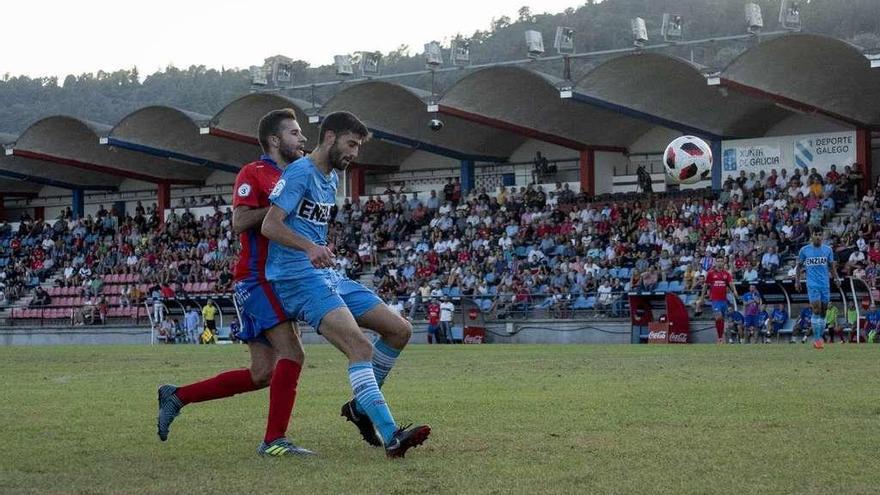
x,y
395,333
818,319
322,306
340,329
718,309
286,363
226,384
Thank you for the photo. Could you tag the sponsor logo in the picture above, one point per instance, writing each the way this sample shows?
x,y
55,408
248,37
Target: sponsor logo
x,y
473,339
244,190
279,186
313,212
678,338
816,261
657,335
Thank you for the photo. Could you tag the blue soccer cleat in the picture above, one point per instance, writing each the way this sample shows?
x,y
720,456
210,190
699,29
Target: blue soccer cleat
x,y
169,408
282,447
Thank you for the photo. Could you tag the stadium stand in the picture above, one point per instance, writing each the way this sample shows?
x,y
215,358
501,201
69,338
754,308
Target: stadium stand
x,y
524,252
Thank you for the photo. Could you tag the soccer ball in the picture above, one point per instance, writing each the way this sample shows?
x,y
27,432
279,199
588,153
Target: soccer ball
x,y
688,160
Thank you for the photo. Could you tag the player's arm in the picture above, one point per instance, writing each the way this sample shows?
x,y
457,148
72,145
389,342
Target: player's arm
x,y
274,229
733,288
246,211
246,218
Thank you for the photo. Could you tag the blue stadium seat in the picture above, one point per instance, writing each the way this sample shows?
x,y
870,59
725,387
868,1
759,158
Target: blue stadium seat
x,y
624,272
662,286
676,286
521,252
454,292
613,273
591,302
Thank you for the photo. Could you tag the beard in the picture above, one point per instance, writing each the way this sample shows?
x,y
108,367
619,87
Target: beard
x,y
291,154
337,159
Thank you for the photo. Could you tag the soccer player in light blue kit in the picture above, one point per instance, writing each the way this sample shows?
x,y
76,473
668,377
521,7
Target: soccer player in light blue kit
x,y
301,269
815,259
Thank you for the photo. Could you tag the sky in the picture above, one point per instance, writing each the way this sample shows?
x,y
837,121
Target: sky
x,y
56,38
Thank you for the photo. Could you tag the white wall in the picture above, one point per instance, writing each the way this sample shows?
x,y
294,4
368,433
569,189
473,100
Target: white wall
x,y
421,160
220,177
654,141
807,124
604,172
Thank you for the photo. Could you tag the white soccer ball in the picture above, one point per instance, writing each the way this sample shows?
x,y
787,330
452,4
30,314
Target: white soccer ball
x,y
688,160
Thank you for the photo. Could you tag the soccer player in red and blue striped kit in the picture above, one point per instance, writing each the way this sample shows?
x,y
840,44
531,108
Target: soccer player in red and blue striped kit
x,y
273,340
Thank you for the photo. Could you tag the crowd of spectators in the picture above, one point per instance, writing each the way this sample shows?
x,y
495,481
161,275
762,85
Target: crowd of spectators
x,y
513,250
526,247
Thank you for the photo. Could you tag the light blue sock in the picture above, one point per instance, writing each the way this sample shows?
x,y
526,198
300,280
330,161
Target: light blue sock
x,y
818,327
384,357
370,399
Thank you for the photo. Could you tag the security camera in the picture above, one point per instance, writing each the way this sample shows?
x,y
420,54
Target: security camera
x,y
435,124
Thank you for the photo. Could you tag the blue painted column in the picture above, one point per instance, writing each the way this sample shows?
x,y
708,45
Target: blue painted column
x,y
78,203
467,177
717,164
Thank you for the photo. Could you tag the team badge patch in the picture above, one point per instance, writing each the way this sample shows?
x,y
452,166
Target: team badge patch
x,y
244,190
279,186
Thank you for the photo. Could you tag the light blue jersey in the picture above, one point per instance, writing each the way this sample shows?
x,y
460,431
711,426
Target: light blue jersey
x,y
306,195
817,263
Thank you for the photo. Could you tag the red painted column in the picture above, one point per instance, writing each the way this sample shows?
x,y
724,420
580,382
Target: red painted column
x,y
39,212
863,157
588,172
356,181
164,199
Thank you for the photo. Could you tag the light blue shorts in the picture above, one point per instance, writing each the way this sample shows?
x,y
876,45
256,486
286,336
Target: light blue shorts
x,y
819,294
312,296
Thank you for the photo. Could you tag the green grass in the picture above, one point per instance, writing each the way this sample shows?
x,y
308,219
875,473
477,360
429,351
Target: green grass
x,y
506,419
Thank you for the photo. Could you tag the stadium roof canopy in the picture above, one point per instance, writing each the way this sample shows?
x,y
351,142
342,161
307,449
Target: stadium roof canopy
x,y
30,174
810,73
674,93
398,114
529,103
238,120
168,132
70,142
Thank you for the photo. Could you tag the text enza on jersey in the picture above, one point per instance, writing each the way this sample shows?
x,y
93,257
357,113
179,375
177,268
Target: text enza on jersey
x,y
314,212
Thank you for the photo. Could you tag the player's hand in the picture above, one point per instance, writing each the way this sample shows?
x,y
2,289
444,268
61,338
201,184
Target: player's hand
x,y
321,256
797,285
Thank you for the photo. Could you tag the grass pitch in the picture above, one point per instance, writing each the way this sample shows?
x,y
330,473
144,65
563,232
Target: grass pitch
x,y
506,419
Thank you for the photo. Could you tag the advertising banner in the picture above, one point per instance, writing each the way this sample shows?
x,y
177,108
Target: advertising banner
x,y
805,151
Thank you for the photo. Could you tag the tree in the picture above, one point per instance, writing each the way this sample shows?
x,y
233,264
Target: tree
x,y
525,14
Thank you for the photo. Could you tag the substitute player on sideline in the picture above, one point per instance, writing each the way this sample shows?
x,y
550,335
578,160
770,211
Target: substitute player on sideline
x,y
717,281
300,266
274,343
815,259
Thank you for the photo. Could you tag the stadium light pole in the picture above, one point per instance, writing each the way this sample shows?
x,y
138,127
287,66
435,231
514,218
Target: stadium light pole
x,y
507,63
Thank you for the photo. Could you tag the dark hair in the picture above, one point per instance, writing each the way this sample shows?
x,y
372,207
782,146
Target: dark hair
x,y
342,122
270,125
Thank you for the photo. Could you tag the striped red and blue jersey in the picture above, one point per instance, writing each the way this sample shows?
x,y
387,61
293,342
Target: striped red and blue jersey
x,y
253,185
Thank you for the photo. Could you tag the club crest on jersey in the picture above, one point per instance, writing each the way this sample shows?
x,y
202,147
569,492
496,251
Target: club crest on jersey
x,y
314,212
279,186
244,190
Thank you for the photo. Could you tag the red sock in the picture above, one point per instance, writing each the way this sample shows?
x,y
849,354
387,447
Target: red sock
x,y
225,384
282,394
719,328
